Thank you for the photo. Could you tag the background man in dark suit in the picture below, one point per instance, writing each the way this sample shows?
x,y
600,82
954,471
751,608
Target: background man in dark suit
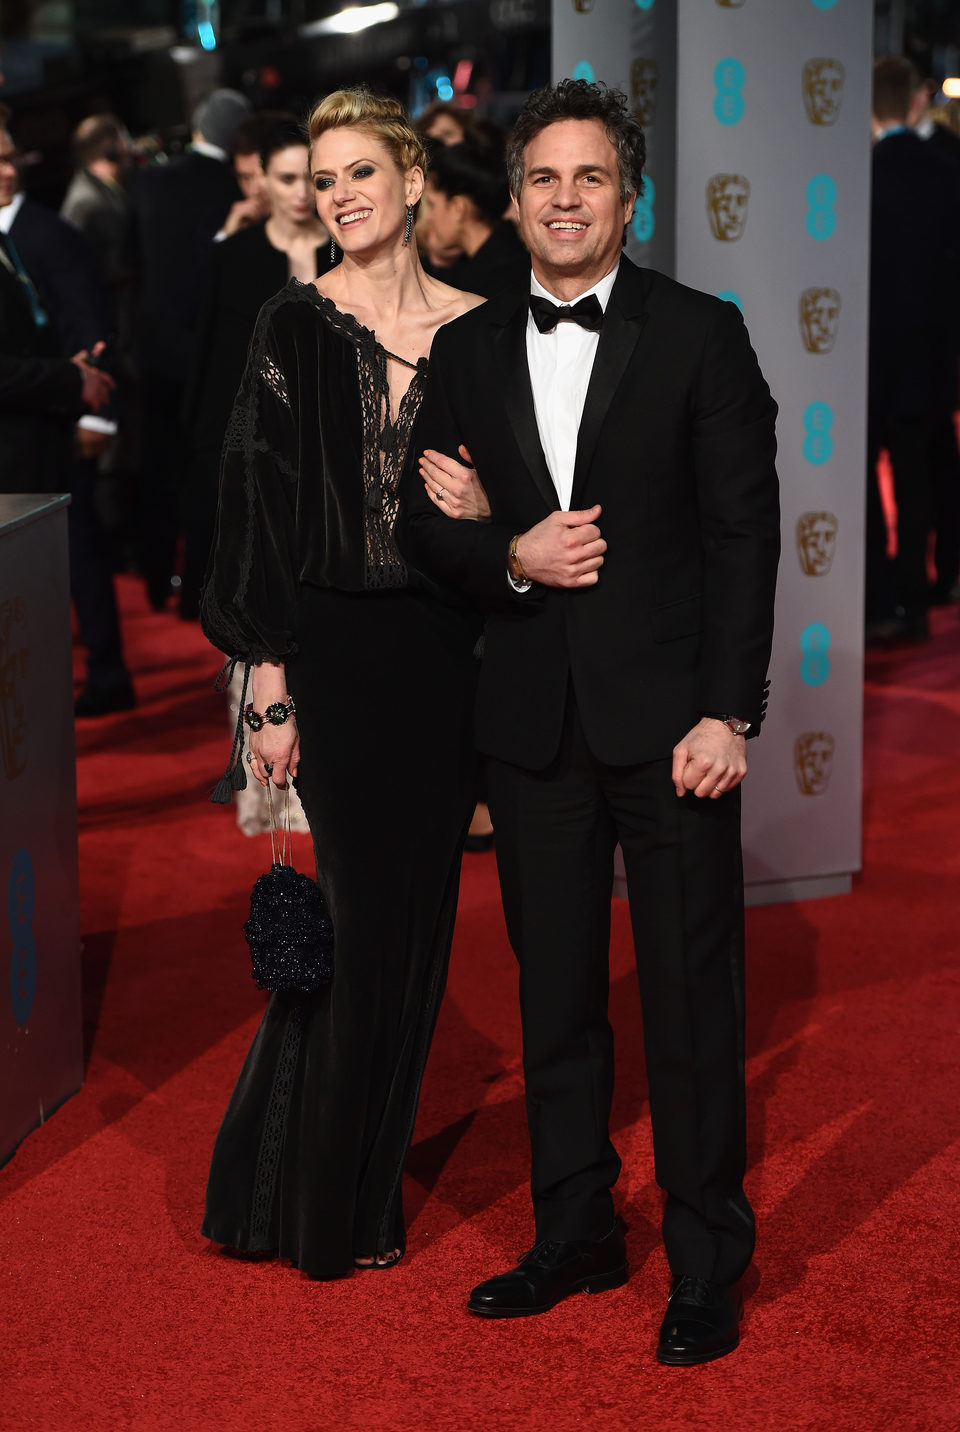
x,y
41,396
914,315
42,392
628,565
56,275
96,204
946,459
178,208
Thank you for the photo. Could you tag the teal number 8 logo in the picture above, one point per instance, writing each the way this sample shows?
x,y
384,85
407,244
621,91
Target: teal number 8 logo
x,y
644,219
821,197
728,77
815,643
817,423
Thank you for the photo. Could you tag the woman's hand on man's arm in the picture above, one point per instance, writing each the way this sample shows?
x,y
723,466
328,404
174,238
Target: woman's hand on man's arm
x,y
454,487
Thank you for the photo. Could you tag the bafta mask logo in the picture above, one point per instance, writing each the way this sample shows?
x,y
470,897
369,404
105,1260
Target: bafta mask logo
x,y
13,668
819,319
823,90
644,78
813,762
727,198
816,542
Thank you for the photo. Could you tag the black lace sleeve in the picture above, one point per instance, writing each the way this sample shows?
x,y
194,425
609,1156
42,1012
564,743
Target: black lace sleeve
x,y
250,594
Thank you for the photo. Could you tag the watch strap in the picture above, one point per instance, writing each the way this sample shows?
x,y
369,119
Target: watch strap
x,y
737,725
514,565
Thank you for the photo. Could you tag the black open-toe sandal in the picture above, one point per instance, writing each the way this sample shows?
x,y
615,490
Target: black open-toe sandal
x,y
379,1262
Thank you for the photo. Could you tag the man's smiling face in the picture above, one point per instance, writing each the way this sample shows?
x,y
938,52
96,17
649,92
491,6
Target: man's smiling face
x,y
571,214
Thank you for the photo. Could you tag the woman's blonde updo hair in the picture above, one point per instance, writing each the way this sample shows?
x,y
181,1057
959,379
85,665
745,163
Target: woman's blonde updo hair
x,y
359,108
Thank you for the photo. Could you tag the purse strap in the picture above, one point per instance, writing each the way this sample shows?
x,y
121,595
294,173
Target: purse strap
x,y
281,844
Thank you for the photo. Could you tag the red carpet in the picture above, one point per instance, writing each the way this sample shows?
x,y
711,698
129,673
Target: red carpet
x,y
118,1315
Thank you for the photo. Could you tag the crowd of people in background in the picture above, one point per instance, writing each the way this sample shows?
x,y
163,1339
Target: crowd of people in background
x,y
125,318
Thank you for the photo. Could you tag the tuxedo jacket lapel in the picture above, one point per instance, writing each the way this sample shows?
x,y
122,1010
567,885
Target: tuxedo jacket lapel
x,y
623,324
510,347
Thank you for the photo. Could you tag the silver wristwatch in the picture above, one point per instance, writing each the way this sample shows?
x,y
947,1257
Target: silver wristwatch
x,y
738,727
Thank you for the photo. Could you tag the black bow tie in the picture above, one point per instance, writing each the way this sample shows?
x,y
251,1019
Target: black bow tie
x,y
587,312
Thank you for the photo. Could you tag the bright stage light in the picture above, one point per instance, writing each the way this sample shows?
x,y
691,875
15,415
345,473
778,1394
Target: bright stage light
x,y
951,88
352,20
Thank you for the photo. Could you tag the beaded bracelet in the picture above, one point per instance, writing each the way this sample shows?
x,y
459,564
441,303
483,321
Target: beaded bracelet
x,y
276,713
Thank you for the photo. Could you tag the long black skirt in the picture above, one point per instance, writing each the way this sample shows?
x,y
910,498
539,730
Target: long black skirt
x,y
308,1161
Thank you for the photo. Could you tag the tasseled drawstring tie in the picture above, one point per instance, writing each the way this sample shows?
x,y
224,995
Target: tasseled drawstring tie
x,y
234,777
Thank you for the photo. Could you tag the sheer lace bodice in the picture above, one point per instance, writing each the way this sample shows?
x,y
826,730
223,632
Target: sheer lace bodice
x,y
385,440
310,474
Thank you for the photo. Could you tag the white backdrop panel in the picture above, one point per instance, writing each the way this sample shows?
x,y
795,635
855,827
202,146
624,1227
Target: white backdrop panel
x,y
757,119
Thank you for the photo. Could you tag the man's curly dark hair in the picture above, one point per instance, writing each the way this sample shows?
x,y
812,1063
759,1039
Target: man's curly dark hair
x,y
576,99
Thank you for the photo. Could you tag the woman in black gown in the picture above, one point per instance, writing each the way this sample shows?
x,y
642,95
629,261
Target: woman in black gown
x,y
307,585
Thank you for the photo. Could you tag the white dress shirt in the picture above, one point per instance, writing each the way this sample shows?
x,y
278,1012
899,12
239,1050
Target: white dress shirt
x,y
9,212
560,365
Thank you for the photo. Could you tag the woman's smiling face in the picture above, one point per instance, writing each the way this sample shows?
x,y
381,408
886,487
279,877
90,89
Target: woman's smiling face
x,y
362,196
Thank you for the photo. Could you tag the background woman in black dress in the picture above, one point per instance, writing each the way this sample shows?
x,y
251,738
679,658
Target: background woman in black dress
x,y
246,269
307,585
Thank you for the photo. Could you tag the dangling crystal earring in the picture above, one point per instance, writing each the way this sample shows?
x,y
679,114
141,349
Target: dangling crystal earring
x,y
408,226
333,252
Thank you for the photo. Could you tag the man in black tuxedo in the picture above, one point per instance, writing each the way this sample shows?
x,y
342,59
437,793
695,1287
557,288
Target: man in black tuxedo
x,y
627,560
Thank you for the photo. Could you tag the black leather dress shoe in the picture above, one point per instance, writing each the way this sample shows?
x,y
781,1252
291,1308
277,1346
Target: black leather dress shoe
x,y
549,1273
702,1322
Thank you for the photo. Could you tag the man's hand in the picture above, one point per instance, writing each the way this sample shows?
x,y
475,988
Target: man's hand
x,y
709,760
455,489
246,212
97,385
564,550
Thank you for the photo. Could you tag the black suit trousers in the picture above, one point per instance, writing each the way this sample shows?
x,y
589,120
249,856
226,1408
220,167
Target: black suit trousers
x,y
91,583
557,830
913,443
161,467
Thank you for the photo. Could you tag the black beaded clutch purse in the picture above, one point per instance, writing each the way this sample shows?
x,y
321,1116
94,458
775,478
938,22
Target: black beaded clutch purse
x,y
289,930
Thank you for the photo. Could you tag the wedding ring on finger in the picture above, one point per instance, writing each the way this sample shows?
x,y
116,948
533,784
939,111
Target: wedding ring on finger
x,y
268,768
440,494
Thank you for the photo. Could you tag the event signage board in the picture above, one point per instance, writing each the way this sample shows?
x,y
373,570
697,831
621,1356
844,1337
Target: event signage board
x,y
759,143
41,1042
